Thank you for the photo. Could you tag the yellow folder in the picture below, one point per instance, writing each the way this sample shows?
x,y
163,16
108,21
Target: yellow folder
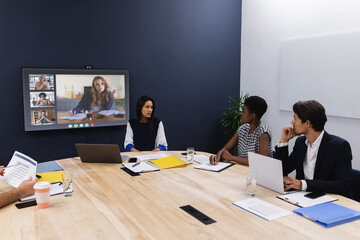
x,y
169,162
51,177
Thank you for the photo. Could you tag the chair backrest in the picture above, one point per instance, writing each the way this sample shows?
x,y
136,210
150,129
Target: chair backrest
x,y
355,184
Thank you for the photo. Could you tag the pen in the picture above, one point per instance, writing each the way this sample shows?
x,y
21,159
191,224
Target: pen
x,y
12,166
136,164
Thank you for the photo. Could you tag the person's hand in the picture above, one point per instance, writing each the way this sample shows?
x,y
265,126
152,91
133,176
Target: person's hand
x,y
113,94
226,155
215,159
290,182
26,187
287,134
134,150
2,171
156,150
72,112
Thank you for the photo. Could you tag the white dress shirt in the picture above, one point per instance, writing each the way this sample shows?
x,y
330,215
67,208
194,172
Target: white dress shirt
x,y
310,159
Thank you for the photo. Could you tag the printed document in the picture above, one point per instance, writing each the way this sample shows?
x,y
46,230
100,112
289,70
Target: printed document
x,y
55,189
262,209
201,159
78,116
148,157
25,168
140,167
216,168
298,199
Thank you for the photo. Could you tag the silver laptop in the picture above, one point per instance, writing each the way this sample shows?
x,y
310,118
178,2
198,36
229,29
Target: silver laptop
x,y
99,153
267,171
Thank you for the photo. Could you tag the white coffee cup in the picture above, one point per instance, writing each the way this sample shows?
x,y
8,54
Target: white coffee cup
x,y
42,194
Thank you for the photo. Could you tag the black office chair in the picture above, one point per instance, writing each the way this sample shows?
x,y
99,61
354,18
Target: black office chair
x,y
355,184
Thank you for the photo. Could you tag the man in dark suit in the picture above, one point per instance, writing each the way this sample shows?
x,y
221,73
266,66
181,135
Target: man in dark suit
x,y
322,161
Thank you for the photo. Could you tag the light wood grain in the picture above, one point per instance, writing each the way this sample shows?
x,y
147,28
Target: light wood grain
x,y
110,204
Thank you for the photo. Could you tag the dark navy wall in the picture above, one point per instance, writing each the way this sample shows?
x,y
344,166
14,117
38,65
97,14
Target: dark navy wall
x,y
183,53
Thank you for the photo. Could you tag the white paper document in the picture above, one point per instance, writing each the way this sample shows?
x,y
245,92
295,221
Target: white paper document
x,y
140,167
262,209
201,159
25,168
216,168
55,189
110,112
78,116
151,156
299,200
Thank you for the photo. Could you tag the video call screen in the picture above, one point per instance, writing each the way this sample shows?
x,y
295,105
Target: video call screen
x,y
74,98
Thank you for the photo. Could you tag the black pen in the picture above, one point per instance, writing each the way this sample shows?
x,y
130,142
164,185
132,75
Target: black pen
x,y
136,164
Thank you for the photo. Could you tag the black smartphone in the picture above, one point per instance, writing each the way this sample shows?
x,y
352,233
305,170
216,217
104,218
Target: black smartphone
x,y
314,195
100,117
26,204
133,159
185,153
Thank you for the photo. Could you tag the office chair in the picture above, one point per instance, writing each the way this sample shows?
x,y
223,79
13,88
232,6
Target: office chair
x,y
355,184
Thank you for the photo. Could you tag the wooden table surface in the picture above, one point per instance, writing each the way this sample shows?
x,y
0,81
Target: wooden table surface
x,y
86,120
108,203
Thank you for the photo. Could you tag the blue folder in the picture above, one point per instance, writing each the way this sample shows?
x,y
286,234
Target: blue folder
x,y
329,214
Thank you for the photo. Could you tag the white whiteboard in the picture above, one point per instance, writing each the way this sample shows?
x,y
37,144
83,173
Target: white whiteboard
x,y
325,68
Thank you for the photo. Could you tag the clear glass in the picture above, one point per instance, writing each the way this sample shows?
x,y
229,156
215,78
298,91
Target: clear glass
x,y
190,154
250,186
67,184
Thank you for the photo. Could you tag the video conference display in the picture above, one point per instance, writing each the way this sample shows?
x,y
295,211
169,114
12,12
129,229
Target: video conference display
x,y
74,98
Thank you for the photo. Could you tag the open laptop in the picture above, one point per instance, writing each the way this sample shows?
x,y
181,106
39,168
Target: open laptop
x,y
268,172
99,153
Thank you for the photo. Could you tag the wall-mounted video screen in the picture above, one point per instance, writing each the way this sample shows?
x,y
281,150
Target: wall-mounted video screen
x,y
74,98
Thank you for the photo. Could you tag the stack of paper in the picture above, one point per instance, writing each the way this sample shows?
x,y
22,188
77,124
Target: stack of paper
x,y
216,168
140,167
169,162
201,159
298,199
261,208
148,157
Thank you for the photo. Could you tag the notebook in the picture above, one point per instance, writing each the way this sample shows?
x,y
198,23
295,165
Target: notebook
x,y
268,172
99,153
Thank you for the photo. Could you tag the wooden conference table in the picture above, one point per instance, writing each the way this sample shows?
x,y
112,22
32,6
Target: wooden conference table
x,y
108,203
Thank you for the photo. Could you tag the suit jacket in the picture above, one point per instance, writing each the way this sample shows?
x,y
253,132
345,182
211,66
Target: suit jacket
x,y
333,164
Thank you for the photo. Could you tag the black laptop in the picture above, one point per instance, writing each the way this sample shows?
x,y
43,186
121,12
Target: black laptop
x,y
99,153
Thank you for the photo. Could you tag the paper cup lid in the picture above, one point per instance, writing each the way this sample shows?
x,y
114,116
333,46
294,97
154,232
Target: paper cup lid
x,y
42,185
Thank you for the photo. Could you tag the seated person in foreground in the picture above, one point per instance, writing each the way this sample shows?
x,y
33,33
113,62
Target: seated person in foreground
x,y
322,161
99,98
145,133
25,189
251,136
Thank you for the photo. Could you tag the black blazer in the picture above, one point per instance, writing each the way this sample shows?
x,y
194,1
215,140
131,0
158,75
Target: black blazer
x,y
333,164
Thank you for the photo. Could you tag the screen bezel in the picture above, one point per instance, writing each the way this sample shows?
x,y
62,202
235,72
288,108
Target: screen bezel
x,y
53,71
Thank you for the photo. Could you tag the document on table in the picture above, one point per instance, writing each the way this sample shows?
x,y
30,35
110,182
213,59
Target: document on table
x,y
55,189
261,208
25,168
201,159
140,167
110,112
299,200
148,157
215,168
78,116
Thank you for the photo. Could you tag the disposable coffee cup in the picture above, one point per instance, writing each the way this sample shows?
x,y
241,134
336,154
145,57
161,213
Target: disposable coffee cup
x,y
42,194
